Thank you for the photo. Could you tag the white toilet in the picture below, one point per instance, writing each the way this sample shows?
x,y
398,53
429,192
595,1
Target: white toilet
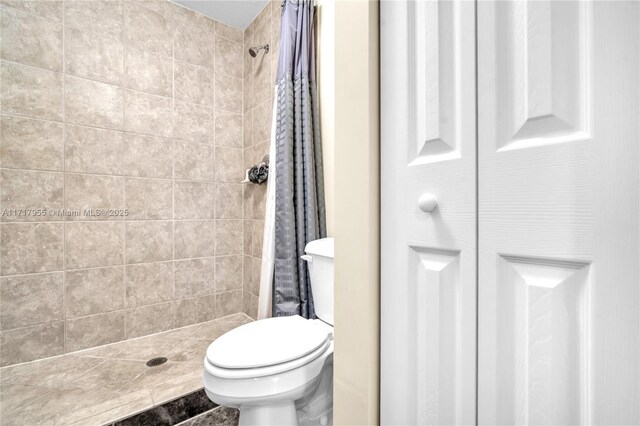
x,y
278,371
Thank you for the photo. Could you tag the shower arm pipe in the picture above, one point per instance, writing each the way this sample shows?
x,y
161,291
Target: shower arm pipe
x,y
253,51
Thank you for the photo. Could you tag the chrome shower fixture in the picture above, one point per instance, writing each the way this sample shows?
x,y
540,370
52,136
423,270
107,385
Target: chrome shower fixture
x,y
253,51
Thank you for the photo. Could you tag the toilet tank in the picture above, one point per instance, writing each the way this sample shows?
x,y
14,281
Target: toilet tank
x,y
319,259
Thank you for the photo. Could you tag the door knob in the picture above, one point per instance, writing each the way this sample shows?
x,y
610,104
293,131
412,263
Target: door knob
x,y
427,202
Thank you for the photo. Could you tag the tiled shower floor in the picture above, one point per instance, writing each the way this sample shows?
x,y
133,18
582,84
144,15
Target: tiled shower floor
x,y
104,384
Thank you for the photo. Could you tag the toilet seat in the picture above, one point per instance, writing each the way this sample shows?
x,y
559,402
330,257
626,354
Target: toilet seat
x,y
247,373
266,347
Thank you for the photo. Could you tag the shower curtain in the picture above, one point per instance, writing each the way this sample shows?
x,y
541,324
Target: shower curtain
x,y
298,203
268,240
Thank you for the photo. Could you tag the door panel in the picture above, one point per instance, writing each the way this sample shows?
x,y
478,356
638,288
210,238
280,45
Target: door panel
x,y
558,212
429,259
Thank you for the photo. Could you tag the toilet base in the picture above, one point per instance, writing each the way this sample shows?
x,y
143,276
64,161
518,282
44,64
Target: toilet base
x,y
269,415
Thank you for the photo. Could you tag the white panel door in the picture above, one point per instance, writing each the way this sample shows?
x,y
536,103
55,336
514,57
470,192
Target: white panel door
x,y
428,258
558,161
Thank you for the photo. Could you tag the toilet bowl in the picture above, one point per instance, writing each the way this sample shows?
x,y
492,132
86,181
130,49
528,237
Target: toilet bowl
x,y
278,371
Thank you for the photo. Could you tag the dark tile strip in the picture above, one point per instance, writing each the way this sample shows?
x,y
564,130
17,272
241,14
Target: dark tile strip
x,y
221,416
172,412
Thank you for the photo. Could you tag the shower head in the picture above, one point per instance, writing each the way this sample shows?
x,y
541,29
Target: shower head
x,y
253,51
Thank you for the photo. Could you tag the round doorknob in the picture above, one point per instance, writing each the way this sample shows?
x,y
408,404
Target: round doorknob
x,y
427,202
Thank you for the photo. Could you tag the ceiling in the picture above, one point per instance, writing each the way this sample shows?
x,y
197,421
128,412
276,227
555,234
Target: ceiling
x,y
236,13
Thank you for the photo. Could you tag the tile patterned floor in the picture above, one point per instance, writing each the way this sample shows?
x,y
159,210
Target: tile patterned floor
x,y
108,383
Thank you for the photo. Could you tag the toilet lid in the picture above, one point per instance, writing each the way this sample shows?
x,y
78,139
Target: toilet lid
x,y
267,342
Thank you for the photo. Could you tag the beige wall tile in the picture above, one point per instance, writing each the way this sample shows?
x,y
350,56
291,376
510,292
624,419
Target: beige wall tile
x,y
93,244
262,81
148,30
94,330
94,192
228,57
149,199
258,234
193,36
229,33
228,165
119,148
194,238
228,303
229,201
247,158
250,305
246,272
94,57
162,7
248,101
193,277
194,310
93,291
92,150
93,103
262,116
30,92
149,283
193,200
30,247
247,129
228,93
149,241
30,40
228,273
251,280
51,9
102,17
247,235
22,189
148,114
248,60
149,72
228,237
254,201
149,319
249,193
276,22
27,344
194,83
30,299
148,156
228,129
193,161
30,144
256,264
193,122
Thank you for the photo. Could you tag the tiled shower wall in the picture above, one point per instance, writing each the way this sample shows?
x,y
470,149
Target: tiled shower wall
x,y
131,105
259,77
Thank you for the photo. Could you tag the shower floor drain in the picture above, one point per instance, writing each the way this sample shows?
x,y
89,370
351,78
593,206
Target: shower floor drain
x,y
154,362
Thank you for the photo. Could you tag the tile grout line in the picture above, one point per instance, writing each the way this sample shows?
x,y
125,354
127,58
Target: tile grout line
x,y
125,303
173,165
64,181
